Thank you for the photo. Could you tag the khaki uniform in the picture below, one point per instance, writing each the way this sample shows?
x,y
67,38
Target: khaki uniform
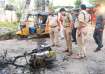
x,y
67,31
82,32
52,21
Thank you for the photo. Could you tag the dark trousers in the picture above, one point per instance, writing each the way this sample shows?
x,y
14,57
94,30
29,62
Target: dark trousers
x,y
98,35
74,34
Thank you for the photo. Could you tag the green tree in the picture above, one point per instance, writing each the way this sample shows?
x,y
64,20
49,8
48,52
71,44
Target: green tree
x,y
50,6
12,2
77,3
19,6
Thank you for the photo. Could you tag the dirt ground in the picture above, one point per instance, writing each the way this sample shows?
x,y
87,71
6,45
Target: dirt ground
x,y
94,63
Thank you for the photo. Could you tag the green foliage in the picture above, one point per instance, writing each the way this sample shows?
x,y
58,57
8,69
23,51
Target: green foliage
x,y
50,6
77,3
19,5
19,16
12,2
9,25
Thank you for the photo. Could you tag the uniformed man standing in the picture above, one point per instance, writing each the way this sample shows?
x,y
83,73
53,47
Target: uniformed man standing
x,y
52,22
83,19
67,18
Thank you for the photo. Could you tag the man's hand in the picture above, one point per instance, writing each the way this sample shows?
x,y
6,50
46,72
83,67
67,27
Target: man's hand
x,y
79,33
104,21
101,29
59,29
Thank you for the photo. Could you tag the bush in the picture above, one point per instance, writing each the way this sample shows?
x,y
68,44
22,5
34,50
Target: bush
x,y
9,25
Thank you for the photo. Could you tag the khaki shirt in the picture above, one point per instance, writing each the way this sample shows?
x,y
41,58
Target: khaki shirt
x,y
52,21
83,18
67,20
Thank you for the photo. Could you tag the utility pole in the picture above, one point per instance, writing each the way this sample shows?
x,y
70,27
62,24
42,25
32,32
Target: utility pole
x,y
43,5
47,5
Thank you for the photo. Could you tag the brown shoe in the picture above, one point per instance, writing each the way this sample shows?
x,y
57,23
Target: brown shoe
x,y
53,45
70,53
66,50
57,45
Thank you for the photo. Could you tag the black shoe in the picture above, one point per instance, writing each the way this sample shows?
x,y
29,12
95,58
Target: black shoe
x,y
76,43
97,49
101,46
62,38
73,41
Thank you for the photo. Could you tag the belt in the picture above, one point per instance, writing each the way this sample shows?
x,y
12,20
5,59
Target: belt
x,y
53,26
66,26
82,27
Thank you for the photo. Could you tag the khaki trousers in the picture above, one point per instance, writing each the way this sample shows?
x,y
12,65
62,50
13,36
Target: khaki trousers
x,y
67,35
54,35
81,40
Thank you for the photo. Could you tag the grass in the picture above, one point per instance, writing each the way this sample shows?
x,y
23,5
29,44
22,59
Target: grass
x,y
9,25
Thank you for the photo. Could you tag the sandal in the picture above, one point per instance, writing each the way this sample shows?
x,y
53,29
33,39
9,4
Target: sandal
x,y
78,57
70,53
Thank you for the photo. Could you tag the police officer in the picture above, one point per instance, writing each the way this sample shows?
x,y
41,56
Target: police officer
x,y
82,31
67,18
52,22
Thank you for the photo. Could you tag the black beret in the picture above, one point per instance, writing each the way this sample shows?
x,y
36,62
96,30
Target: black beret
x,y
83,6
62,9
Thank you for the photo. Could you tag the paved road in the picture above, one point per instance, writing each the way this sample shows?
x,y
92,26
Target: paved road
x,y
94,63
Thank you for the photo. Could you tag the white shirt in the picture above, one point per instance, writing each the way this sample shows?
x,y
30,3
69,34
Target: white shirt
x,y
76,23
31,24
